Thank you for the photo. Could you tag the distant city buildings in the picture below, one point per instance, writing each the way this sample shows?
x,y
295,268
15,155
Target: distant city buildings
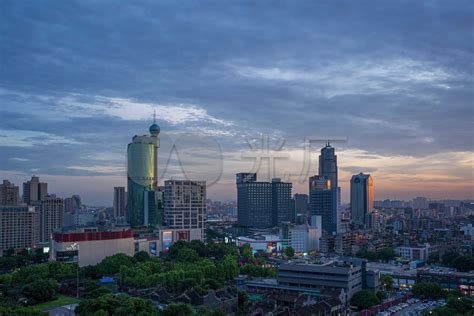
x,y
142,177
362,197
120,199
185,206
34,191
9,194
72,203
263,204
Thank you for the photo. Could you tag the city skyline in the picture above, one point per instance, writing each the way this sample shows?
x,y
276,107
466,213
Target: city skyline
x,y
403,107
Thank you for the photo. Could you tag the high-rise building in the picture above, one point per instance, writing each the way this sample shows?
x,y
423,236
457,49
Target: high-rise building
x,y
263,204
362,198
73,203
324,192
142,176
328,164
9,193
51,216
185,206
34,191
323,202
282,209
19,227
301,203
119,202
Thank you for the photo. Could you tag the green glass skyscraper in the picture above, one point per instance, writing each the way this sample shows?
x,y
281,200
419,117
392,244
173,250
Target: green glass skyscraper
x,y
142,177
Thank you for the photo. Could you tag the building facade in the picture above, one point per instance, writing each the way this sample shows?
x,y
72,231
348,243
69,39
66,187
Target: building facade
x,y
9,194
323,202
335,276
263,204
362,198
120,207
185,205
34,191
142,176
19,227
51,216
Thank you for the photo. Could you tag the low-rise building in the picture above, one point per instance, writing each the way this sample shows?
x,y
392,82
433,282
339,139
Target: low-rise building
x,y
334,275
414,252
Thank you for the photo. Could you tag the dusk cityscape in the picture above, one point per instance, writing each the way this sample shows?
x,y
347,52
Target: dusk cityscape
x,y
300,158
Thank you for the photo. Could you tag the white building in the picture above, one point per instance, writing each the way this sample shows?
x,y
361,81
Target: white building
x,y
185,205
414,252
303,238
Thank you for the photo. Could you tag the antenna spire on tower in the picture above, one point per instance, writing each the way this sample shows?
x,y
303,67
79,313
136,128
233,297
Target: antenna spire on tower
x,y
154,116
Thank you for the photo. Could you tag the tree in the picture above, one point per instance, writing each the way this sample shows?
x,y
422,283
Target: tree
x,y
230,267
464,263
448,257
369,255
289,252
186,254
112,305
381,295
141,256
427,290
386,254
41,290
111,265
246,252
387,282
178,309
21,311
364,299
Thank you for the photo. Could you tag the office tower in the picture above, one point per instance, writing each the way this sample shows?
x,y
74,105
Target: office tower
x,y
142,175
119,202
263,204
9,193
362,198
328,164
73,203
301,203
323,202
185,205
19,227
282,210
34,191
51,216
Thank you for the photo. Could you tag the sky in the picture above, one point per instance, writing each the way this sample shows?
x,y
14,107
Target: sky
x,y
239,86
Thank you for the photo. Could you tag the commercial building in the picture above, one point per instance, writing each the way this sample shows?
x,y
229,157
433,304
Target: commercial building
x,y
34,191
185,205
51,216
263,204
323,202
142,177
345,277
9,194
362,198
120,206
158,240
414,252
302,238
90,246
301,204
19,227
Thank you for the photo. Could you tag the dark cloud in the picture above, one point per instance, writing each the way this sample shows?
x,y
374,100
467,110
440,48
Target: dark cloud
x,y
394,78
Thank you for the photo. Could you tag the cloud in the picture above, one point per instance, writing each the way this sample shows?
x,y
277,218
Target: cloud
x,y
27,138
361,77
